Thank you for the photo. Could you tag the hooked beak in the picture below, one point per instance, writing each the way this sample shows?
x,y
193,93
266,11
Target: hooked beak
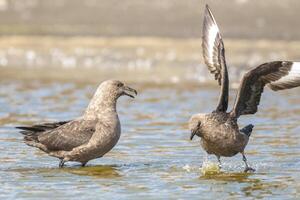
x,y
193,133
128,91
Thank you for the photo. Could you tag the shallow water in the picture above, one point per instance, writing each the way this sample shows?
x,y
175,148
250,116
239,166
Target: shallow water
x,y
51,79
154,158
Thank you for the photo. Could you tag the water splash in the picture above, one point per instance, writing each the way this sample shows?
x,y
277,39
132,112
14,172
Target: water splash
x,y
209,167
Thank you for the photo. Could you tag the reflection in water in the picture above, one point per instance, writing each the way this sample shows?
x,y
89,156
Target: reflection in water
x,y
230,177
97,171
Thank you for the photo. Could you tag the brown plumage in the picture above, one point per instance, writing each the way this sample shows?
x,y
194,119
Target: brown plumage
x,y
88,137
214,57
254,81
219,131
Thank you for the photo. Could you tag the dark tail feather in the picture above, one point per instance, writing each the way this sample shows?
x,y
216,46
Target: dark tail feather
x,y
29,130
32,132
247,129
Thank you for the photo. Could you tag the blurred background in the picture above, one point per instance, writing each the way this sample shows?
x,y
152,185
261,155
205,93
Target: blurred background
x,y
54,54
115,37
268,19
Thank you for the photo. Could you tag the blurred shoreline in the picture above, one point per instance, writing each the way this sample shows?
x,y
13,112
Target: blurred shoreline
x,y
142,60
138,40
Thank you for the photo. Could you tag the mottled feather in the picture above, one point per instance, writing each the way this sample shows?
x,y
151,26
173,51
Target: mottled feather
x,y
63,135
68,136
278,75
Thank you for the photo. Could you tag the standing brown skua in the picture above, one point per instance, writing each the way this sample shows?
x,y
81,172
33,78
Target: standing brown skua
x,y
87,137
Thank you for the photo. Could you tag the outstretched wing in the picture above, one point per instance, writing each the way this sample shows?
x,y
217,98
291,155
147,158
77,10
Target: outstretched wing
x,y
278,75
214,56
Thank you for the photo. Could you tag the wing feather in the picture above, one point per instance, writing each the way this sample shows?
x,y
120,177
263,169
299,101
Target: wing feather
x,y
278,75
214,56
68,136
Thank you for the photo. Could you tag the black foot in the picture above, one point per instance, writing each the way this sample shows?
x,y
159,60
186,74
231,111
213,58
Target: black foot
x,y
83,164
249,169
61,163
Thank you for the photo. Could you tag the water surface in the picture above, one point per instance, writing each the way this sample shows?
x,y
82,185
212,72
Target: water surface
x,y
49,79
154,158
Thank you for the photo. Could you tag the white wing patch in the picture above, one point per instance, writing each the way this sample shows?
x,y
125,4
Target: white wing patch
x,y
211,40
291,80
213,33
